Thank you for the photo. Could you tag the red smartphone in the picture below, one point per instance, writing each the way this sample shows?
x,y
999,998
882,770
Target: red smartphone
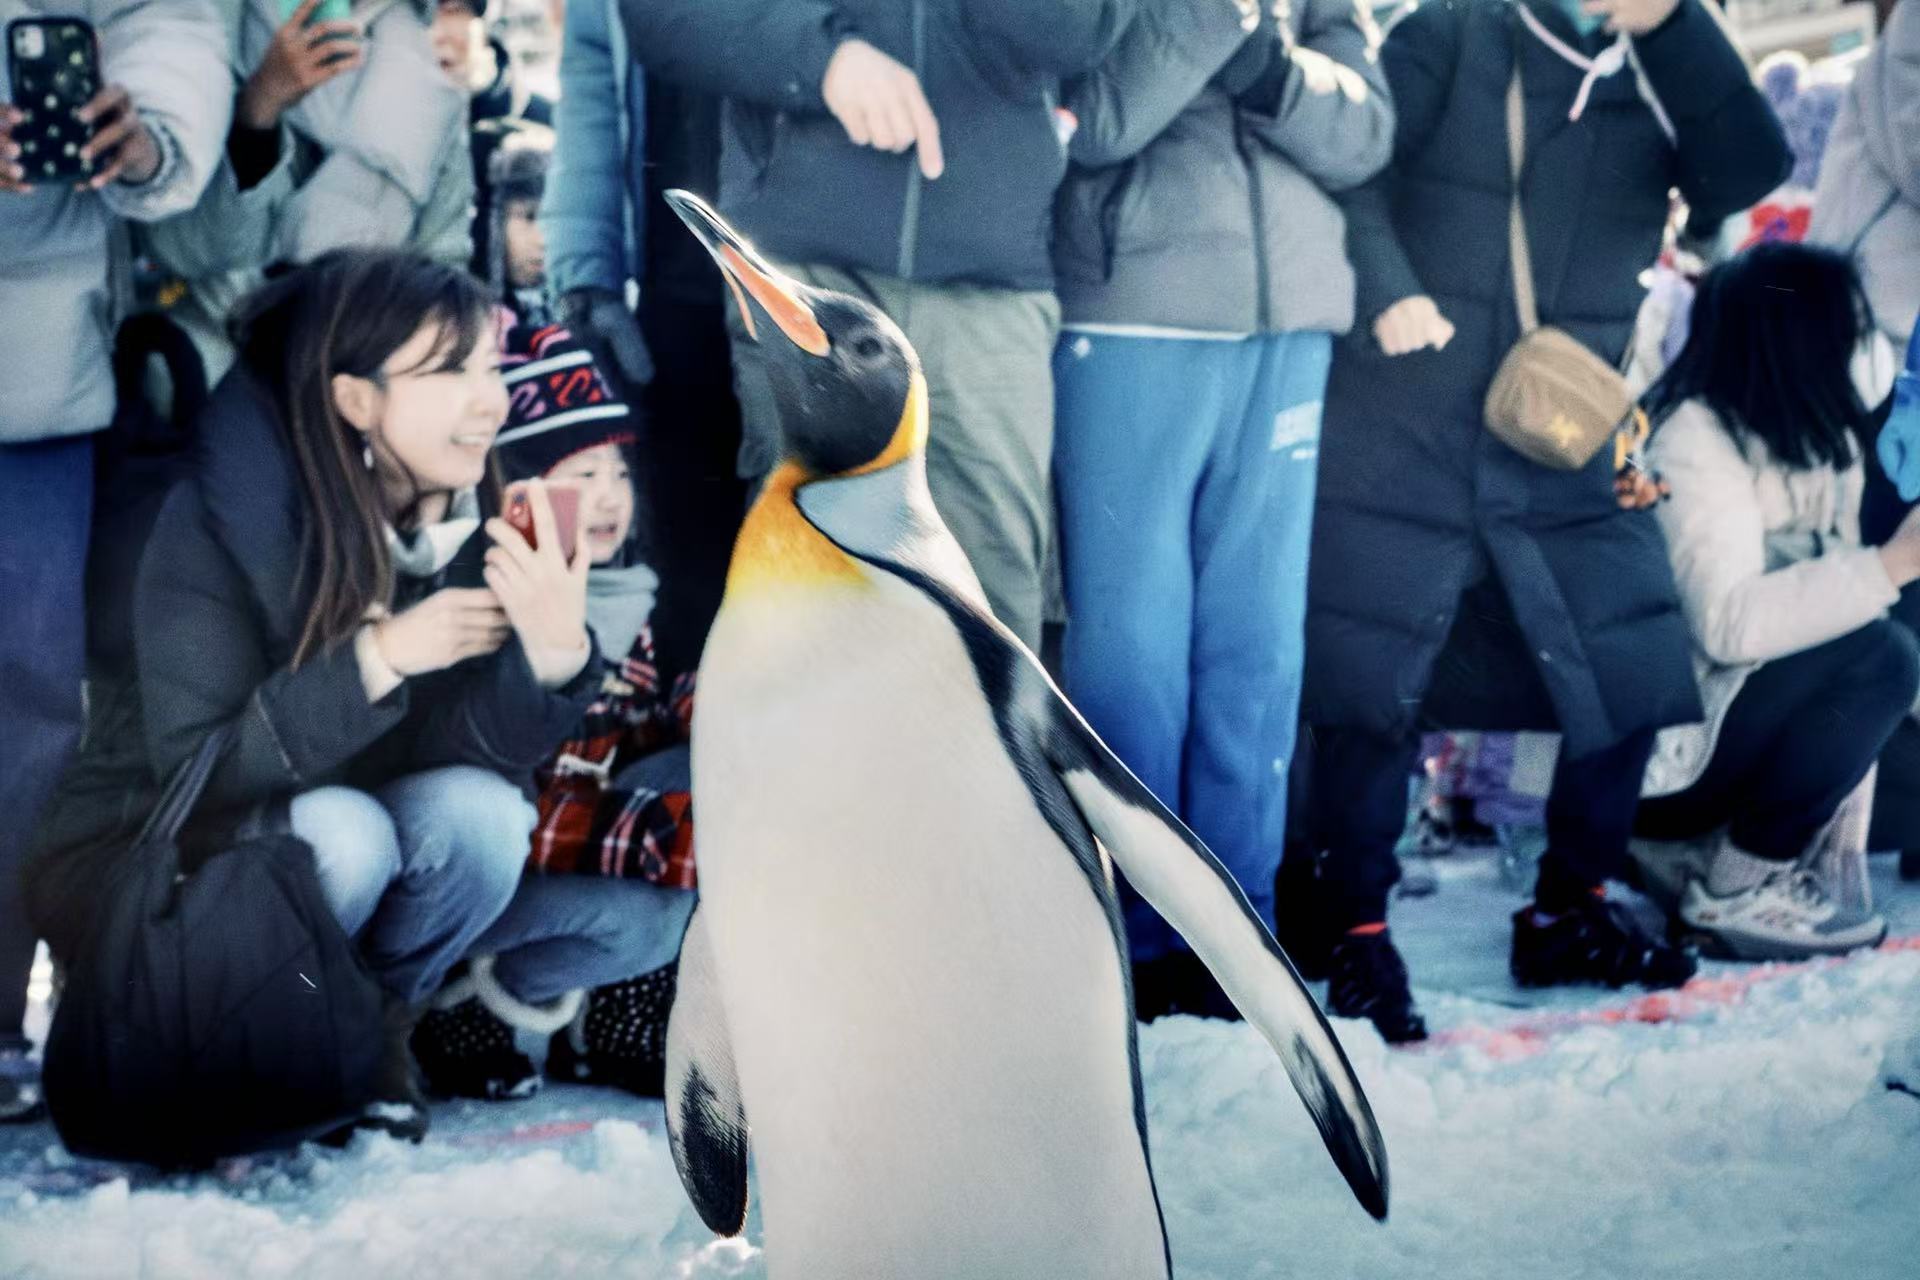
x,y
53,66
565,500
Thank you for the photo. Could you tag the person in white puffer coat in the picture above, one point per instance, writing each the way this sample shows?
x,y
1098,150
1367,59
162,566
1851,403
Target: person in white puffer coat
x,y
159,122
1802,674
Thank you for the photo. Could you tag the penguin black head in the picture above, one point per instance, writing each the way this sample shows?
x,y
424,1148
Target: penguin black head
x,y
843,374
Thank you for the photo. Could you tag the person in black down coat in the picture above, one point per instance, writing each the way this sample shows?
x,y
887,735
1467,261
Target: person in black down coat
x,y
1453,583
302,583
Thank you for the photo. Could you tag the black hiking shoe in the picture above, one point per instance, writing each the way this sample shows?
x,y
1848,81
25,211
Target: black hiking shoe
x,y
619,1038
1369,980
1595,941
467,1051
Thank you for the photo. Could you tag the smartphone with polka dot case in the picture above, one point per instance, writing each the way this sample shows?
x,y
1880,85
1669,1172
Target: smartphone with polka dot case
x,y
53,69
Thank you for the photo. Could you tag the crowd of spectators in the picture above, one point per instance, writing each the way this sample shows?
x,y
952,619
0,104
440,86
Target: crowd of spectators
x,y
1208,295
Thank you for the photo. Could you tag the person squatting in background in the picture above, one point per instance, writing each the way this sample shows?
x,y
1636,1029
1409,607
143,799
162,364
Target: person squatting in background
x,y
157,124
627,134
297,586
1761,428
1453,583
1202,270
615,797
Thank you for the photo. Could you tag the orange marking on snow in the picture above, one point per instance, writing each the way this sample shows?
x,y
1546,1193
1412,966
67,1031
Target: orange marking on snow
x,y
1530,1035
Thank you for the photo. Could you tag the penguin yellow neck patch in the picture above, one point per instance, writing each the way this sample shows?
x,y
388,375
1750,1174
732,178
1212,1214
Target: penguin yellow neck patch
x,y
777,546
910,436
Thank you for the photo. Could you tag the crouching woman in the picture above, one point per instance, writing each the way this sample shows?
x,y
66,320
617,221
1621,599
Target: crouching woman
x,y
295,587
1804,678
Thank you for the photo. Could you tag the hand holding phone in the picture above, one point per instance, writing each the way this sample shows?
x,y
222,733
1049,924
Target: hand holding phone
x,y
540,579
317,42
564,499
53,65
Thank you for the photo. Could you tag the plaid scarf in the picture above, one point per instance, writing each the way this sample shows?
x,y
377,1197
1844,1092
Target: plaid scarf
x,y
595,819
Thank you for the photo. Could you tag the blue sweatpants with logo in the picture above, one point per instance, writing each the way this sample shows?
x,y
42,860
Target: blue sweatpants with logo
x,y
1185,473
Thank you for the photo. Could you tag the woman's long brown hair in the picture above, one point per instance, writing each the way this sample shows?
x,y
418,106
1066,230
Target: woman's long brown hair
x,y
348,312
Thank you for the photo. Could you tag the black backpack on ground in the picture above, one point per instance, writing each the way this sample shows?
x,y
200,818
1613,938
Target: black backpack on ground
x,y
212,1004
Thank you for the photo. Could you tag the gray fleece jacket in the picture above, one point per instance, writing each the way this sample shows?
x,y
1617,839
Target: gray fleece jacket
x,y
1868,201
1205,151
61,257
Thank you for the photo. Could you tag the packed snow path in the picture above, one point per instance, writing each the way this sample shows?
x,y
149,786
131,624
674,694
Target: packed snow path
x,y
1741,1129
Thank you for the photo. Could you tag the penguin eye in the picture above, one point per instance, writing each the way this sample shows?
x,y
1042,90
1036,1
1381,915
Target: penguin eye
x,y
868,347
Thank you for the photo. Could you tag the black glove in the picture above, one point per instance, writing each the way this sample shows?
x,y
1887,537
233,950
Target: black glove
x,y
602,323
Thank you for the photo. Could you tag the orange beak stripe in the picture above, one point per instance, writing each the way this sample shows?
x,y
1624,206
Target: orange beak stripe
x,y
787,311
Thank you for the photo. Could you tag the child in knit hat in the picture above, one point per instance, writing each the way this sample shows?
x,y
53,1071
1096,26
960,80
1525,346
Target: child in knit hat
x,y
615,799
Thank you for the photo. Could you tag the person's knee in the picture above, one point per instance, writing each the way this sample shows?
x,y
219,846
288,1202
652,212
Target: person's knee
x,y
355,845
1892,662
470,823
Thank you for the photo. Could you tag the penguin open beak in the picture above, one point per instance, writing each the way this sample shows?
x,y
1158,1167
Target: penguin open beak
x,y
746,270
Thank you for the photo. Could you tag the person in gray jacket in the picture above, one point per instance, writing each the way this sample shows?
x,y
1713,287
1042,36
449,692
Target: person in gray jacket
x,y
1202,273
1868,200
344,134
157,127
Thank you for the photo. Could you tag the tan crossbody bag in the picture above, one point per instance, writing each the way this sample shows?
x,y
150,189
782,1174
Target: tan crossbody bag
x,y
1553,401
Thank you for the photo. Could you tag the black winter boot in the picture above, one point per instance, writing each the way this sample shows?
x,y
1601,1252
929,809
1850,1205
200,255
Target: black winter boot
x,y
1369,980
1593,941
467,1051
619,1037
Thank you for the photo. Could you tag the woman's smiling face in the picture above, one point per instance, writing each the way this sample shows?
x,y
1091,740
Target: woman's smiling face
x,y
438,412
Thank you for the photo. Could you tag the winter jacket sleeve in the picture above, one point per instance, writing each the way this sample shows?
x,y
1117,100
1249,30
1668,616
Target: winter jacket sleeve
x,y
495,713
202,663
1739,612
1419,56
173,61
1064,37
1165,59
583,212
1731,147
773,52
231,229
1324,98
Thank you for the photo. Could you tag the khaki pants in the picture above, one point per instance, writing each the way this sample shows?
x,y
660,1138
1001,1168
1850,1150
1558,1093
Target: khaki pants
x,y
987,357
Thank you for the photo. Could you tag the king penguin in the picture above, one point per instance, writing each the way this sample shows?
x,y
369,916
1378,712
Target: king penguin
x,y
906,986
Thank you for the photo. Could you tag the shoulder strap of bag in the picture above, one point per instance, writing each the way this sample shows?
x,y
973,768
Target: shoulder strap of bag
x,y
184,788
1523,295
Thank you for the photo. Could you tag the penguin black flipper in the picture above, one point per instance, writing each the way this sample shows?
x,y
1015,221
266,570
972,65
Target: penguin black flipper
x,y
886,518
706,1123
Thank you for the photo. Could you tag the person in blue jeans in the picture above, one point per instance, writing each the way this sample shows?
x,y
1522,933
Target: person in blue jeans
x,y
394,664
1202,275
158,125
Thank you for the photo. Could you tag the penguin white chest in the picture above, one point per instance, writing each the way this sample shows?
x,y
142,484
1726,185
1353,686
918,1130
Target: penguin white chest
x,y
923,989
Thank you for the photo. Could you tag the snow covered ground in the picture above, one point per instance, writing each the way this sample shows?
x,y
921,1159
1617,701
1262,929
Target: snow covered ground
x,y
1738,1129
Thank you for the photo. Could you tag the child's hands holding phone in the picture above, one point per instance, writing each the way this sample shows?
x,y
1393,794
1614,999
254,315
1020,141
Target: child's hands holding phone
x,y
543,593
315,44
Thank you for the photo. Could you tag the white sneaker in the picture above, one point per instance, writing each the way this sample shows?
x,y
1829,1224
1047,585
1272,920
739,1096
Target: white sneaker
x,y
1787,916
